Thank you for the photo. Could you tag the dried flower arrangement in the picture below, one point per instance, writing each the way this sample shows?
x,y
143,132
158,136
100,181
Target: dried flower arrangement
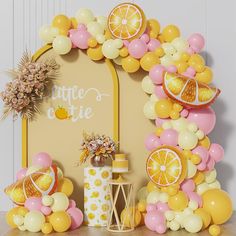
x,y
28,87
98,148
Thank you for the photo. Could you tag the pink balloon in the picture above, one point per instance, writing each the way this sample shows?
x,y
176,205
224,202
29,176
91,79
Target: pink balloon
x,y
72,204
163,207
188,185
184,113
33,204
21,173
202,152
79,38
169,137
42,159
76,217
161,228
145,38
195,197
81,27
196,42
126,43
202,166
216,152
152,142
153,45
210,164
159,92
153,218
172,69
190,72
160,121
190,51
204,118
46,210
137,48
151,207
157,74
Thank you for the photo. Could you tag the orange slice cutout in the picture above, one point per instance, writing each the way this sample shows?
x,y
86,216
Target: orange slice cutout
x,y
189,91
166,166
37,184
127,21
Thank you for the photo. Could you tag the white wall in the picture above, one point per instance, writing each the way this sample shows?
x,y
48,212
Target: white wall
x,y
215,19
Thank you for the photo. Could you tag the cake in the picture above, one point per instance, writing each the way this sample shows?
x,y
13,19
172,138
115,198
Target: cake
x,y
120,163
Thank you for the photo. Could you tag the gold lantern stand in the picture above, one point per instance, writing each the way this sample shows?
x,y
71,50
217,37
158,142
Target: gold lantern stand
x,y
123,187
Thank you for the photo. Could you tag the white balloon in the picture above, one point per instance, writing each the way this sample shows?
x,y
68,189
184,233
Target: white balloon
x,y
34,221
147,85
109,50
149,110
187,140
193,223
62,44
84,16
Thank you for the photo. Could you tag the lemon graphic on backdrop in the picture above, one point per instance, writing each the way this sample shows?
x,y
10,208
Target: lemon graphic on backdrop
x,y
105,207
103,217
86,185
107,197
98,182
92,172
85,199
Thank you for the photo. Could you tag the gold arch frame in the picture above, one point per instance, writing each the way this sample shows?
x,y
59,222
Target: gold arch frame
x,y
115,79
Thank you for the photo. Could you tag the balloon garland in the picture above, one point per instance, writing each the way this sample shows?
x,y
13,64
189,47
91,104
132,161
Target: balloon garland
x,y
183,191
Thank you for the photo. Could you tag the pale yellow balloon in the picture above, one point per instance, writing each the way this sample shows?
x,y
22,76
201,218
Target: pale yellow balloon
x,y
176,56
94,28
188,211
192,127
215,184
33,169
153,98
193,223
174,225
167,60
62,44
22,228
47,200
179,124
179,217
192,169
147,85
100,38
200,134
167,125
169,215
153,197
59,173
202,188
48,33
142,194
164,197
60,202
102,20
109,50
187,140
210,176
84,16
18,220
180,44
168,48
34,221
149,110
193,205
118,43
117,61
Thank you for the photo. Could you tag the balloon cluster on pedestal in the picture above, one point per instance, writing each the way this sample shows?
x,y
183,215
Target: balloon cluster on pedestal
x,y
42,195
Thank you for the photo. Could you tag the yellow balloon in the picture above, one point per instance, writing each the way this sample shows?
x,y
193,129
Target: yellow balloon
x,y
130,64
10,217
205,142
92,42
178,202
214,230
34,221
218,204
130,216
154,27
61,22
47,228
160,52
198,178
60,202
149,60
170,32
206,217
152,187
185,57
142,206
74,23
124,52
62,44
205,76
22,211
197,62
163,108
65,185
95,53
60,221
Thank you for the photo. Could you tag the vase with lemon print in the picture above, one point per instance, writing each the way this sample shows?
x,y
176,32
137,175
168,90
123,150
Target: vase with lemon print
x,y
97,203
